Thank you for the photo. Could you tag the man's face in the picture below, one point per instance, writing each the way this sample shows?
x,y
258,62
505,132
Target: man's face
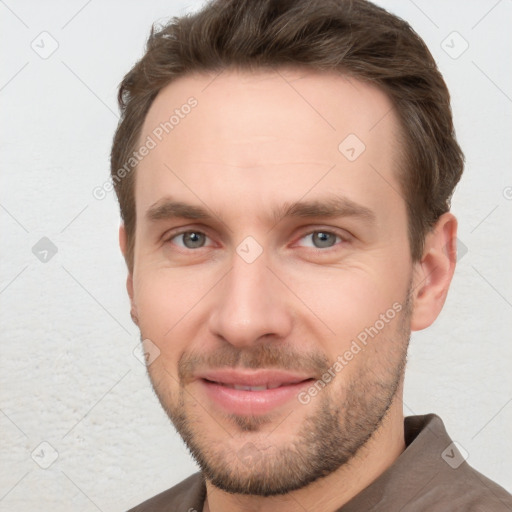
x,y
266,290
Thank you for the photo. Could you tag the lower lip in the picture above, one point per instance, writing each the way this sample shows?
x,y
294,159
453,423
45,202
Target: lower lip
x,y
237,401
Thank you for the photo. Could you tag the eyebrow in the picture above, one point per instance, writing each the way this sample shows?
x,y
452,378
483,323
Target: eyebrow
x,y
330,207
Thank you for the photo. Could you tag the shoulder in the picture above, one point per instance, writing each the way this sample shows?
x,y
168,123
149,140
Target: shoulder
x,y
466,490
187,496
431,475
445,480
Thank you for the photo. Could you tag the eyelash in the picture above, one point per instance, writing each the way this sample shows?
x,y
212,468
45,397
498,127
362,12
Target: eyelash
x,y
342,239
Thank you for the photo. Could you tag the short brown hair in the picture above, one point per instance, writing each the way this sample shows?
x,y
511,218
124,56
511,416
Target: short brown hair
x,y
354,37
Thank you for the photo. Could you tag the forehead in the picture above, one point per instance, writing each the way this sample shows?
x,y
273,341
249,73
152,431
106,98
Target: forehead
x,y
237,132
326,102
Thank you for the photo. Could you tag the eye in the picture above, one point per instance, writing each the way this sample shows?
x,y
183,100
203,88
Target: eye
x,y
189,239
322,239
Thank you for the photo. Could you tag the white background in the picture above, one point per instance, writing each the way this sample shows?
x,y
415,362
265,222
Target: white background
x,y
68,374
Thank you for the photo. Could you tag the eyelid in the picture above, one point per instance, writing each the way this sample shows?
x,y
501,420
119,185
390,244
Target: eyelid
x,y
173,233
342,234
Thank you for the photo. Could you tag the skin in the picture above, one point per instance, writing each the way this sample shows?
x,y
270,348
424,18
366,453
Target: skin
x,y
255,141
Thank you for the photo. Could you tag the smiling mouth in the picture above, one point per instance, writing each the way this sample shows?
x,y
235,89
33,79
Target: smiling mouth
x,y
262,387
244,391
254,392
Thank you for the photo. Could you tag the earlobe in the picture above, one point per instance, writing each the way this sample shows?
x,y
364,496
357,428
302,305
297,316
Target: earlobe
x,y
433,274
129,279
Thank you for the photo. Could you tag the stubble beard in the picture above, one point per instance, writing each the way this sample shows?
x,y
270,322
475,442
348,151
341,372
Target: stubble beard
x,y
327,439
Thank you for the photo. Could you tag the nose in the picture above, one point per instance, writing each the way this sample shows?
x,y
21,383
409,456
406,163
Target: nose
x,y
250,305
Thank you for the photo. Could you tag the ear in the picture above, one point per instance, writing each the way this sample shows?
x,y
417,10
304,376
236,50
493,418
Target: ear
x,y
433,274
129,279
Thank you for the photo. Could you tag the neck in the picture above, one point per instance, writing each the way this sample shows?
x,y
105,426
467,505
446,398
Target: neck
x,y
335,490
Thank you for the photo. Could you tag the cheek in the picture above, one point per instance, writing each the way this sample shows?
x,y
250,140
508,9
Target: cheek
x,y
163,296
153,302
159,308
170,309
344,302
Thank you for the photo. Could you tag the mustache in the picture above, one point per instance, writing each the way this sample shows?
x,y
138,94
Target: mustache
x,y
279,357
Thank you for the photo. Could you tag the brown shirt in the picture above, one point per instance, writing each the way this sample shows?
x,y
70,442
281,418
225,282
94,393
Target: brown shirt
x,y
430,475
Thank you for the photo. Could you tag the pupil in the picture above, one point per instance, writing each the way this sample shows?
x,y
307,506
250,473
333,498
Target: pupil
x,y
323,238
194,239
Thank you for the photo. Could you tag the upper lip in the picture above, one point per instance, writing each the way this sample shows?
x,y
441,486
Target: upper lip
x,y
267,378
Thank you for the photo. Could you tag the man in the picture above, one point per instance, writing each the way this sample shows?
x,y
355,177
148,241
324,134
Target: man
x,y
284,171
